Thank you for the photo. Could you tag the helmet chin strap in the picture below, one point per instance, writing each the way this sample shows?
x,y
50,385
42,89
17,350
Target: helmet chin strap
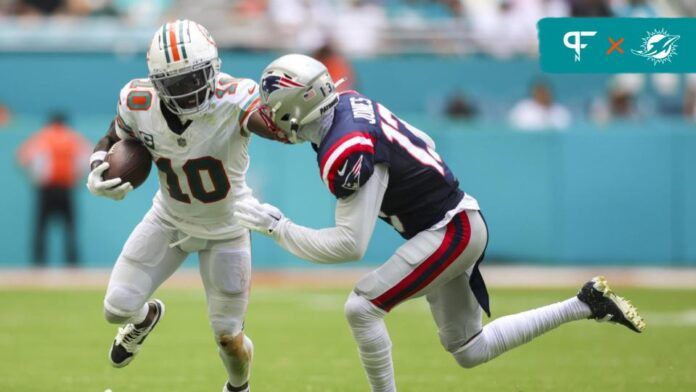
x,y
314,131
294,128
294,125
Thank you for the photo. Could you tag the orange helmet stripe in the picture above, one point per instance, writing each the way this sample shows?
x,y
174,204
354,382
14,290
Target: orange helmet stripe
x,y
172,43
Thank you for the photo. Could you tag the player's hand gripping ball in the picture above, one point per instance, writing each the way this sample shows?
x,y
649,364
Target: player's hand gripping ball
x,y
130,161
114,188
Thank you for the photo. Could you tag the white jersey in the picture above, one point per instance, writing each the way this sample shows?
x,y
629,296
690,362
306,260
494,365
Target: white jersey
x,y
201,170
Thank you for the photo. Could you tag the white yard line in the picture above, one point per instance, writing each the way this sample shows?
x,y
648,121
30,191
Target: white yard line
x,y
495,275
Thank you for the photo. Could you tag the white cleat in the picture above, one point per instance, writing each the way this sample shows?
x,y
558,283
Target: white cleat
x,y
607,306
129,339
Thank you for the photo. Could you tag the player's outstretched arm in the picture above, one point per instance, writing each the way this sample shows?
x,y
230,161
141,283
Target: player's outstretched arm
x,y
113,188
356,216
256,125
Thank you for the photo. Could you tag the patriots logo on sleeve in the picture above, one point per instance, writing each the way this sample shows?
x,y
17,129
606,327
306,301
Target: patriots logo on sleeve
x,y
352,179
347,163
272,83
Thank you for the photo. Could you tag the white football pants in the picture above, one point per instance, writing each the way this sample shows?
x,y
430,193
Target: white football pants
x,y
437,264
148,258
442,264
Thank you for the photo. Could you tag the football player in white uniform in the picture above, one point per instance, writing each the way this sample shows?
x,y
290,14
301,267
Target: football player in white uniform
x,y
195,121
378,165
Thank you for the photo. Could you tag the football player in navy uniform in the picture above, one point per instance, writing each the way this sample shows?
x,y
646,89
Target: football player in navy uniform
x,y
378,165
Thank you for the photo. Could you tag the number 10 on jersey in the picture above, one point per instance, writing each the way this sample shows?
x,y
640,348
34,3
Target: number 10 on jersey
x,y
193,169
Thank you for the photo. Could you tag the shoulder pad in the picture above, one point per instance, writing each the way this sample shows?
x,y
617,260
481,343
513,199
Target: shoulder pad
x,y
137,95
240,92
227,85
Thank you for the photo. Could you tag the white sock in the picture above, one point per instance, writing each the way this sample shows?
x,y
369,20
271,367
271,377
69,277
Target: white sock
x,y
141,315
375,355
508,332
238,372
374,346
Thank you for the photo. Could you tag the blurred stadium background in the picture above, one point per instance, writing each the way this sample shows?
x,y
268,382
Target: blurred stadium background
x,y
585,172
570,169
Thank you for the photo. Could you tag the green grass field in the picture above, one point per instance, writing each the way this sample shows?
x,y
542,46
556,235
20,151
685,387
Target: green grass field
x,y
55,340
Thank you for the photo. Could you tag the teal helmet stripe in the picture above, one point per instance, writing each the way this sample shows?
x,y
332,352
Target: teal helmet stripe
x,y
182,44
164,42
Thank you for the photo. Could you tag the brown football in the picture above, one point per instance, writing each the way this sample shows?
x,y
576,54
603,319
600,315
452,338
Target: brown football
x,y
129,160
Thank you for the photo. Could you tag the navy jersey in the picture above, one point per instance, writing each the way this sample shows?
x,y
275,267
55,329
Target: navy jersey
x,y
364,133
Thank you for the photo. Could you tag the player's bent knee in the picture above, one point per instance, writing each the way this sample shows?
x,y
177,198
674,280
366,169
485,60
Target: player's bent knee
x,y
233,345
467,360
226,315
358,310
121,303
353,310
472,354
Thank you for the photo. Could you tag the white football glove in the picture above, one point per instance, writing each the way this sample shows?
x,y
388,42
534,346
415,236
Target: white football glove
x,y
113,188
253,215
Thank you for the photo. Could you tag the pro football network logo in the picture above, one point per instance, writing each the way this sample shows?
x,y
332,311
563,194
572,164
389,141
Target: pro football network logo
x,y
658,46
573,40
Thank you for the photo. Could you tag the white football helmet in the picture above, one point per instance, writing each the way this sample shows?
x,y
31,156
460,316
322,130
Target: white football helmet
x,y
296,90
183,62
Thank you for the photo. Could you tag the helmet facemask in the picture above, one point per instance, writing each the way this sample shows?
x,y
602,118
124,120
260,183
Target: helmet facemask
x,y
288,135
312,131
187,91
297,111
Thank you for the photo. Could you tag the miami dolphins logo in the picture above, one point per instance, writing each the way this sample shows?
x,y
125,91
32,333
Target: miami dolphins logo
x,y
659,47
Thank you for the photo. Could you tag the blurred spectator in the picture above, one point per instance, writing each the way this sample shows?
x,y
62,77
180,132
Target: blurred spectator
x,y
667,99
138,11
508,27
142,12
685,7
665,84
6,7
358,26
5,115
554,8
339,67
690,98
690,104
58,7
620,103
539,112
459,107
302,24
636,9
64,7
55,158
594,8
39,7
456,7
250,8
